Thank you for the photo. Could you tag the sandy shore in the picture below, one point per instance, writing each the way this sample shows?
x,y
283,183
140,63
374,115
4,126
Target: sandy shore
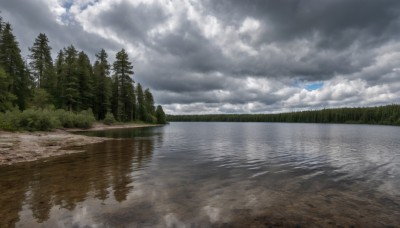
x,y
17,147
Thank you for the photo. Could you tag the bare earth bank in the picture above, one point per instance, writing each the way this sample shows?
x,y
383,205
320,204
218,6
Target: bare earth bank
x,y
17,147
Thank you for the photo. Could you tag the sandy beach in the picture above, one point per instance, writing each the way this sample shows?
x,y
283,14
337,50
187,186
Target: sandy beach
x,y
17,147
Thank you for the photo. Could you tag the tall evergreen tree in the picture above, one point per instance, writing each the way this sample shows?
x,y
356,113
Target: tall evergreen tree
x,y
85,82
102,85
14,67
123,87
141,107
6,98
70,79
42,63
160,115
60,79
149,105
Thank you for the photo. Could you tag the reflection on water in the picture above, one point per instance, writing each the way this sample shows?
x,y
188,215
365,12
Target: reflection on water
x,y
214,174
39,192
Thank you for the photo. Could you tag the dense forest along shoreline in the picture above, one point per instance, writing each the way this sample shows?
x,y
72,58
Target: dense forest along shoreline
x,y
18,147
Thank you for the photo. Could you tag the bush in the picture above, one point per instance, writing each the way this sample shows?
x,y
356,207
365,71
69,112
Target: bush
x,y
37,120
9,120
84,119
109,119
44,120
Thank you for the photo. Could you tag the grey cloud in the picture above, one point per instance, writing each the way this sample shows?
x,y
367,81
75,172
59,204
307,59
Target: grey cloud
x,y
131,22
302,40
29,18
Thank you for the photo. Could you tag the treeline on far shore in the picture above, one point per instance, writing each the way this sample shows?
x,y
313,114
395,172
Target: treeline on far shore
x,y
385,115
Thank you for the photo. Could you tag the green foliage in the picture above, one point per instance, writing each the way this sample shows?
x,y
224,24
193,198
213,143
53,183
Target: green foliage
x,y
160,115
44,119
109,119
84,119
41,98
9,120
37,120
14,67
42,64
6,98
123,100
388,115
102,85
71,83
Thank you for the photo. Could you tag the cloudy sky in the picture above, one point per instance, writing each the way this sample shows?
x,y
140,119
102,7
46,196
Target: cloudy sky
x,y
233,56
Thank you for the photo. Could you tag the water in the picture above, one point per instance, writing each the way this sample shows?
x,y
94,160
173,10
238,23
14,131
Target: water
x,y
214,174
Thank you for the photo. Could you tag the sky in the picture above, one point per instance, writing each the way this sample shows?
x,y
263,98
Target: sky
x,y
233,56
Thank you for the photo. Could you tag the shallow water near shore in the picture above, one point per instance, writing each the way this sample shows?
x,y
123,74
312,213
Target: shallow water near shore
x,y
213,174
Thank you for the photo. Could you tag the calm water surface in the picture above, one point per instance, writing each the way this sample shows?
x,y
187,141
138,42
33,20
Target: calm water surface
x,y
214,174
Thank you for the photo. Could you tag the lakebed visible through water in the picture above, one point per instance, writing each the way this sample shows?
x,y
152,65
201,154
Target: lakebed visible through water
x,y
213,174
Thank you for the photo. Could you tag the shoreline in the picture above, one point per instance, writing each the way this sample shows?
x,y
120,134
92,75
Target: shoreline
x,y
21,147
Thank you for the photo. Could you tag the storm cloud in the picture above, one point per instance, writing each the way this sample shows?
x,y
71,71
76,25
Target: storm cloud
x,y
233,56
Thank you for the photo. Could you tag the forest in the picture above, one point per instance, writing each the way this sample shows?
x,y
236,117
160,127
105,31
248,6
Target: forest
x,y
39,93
385,115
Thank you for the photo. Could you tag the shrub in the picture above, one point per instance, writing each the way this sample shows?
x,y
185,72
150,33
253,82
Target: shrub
x,y
9,120
84,119
37,120
109,119
44,120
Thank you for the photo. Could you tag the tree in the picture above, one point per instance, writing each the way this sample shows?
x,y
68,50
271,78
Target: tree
x,y
6,98
70,78
123,87
141,108
41,98
60,76
85,82
149,105
160,115
41,63
102,81
13,65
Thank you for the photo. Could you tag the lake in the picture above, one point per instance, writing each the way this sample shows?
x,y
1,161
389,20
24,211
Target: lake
x,y
214,174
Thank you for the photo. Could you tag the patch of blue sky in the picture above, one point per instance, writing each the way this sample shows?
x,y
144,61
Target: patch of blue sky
x,y
314,86
308,85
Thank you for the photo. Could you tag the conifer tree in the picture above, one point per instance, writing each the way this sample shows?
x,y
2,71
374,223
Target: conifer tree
x,y
70,79
85,82
160,115
60,76
6,98
41,63
141,108
14,67
123,87
102,85
149,105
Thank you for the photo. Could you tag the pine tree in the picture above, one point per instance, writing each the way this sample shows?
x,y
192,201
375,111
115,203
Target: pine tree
x,y
141,107
149,105
71,83
160,115
102,85
14,67
42,64
85,81
60,76
123,87
6,98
